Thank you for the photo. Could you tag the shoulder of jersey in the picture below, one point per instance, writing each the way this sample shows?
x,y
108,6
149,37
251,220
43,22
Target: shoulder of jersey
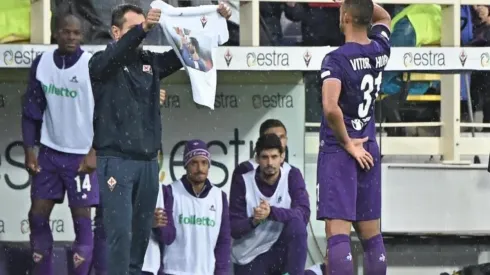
x,y
173,182
289,166
334,55
385,35
37,58
86,55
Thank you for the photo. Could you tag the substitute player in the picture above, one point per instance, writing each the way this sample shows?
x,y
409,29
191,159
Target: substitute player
x,y
270,212
270,126
127,127
200,214
349,165
59,106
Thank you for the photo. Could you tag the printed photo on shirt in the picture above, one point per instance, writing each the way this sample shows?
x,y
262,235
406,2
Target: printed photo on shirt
x,y
195,49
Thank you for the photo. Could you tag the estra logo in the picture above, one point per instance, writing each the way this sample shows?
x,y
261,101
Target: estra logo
x,y
424,59
485,60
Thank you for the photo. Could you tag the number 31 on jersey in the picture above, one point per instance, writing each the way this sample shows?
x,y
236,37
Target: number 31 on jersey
x,y
370,86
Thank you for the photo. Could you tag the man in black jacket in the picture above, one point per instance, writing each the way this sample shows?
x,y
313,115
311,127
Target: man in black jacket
x,y
126,87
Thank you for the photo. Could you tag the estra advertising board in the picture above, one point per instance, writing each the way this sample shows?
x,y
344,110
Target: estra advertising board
x,y
231,131
291,58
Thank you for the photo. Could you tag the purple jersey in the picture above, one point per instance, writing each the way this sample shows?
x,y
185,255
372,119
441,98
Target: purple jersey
x,y
359,68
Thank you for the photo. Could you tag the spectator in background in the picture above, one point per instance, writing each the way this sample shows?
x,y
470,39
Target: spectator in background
x,y
15,21
482,31
270,23
95,30
233,21
414,26
314,18
480,80
96,19
319,27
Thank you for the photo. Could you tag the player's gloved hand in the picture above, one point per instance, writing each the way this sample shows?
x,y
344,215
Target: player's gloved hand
x,y
159,218
31,164
152,18
224,10
89,163
357,151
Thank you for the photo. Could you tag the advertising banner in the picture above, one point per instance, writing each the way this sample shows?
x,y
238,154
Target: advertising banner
x,y
231,131
292,58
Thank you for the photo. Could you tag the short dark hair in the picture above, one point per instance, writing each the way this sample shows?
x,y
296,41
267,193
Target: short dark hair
x,y
194,42
268,142
361,11
60,17
121,10
270,123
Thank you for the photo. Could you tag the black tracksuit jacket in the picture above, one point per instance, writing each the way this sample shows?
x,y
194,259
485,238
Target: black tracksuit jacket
x,y
126,86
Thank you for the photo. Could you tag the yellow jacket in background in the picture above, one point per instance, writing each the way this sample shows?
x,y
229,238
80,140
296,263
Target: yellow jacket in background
x,y
426,21
15,21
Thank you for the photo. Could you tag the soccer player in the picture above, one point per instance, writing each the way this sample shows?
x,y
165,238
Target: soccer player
x,y
127,127
269,212
270,126
58,112
200,216
349,165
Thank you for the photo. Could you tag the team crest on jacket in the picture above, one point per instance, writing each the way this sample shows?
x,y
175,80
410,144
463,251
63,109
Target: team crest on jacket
x,y
147,69
111,183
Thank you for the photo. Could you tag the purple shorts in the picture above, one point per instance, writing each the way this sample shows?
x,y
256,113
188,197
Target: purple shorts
x,y
59,174
344,190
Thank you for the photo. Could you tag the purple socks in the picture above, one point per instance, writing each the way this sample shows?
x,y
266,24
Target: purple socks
x,y
339,256
83,245
41,244
374,256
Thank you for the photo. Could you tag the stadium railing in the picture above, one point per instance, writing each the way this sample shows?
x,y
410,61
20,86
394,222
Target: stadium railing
x,y
450,144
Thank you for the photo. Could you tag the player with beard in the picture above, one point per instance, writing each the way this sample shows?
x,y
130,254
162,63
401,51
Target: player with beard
x,y
270,126
269,211
196,214
58,111
349,165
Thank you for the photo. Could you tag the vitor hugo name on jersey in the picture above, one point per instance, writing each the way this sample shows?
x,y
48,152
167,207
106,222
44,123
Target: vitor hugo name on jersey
x,y
194,220
51,89
363,63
